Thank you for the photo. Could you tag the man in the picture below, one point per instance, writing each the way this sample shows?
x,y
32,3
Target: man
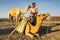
x,y
33,11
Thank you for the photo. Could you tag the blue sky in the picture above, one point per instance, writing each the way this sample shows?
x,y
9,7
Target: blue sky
x,y
51,6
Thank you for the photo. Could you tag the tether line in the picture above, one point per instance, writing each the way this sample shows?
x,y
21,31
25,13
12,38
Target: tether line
x,y
48,27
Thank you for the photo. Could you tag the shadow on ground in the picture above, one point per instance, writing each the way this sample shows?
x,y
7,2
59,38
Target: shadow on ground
x,y
47,29
43,30
5,31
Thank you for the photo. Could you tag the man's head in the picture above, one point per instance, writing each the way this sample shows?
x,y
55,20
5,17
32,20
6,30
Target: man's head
x,y
33,4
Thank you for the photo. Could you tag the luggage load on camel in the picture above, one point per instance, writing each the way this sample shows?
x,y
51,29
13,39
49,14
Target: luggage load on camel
x,y
22,25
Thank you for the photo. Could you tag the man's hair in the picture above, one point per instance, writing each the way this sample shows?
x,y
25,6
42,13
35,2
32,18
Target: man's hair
x,y
33,3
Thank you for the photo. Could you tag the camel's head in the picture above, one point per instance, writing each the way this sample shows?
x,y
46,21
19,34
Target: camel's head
x,y
42,16
28,6
47,14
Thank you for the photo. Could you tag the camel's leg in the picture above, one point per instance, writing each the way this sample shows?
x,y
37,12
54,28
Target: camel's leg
x,y
9,18
36,34
16,19
27,30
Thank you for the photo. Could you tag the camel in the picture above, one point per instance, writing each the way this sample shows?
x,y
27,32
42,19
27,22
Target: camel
x,y
15,13
28,28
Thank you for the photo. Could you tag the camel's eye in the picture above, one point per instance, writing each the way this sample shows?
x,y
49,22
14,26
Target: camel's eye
x,y
39,15
43,14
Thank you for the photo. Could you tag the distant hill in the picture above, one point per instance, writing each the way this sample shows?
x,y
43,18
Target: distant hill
x,y
3,19
52,18
55,18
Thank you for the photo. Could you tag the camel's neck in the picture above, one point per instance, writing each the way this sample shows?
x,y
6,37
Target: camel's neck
x,y
38,24
39,21
25,10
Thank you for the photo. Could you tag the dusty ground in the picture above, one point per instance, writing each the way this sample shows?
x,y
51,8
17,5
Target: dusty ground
x,y
53,32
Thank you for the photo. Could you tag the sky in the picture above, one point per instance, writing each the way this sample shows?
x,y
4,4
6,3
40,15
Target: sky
x,y
51,6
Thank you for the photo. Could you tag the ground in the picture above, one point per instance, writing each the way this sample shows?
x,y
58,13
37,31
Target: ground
x,y
53,32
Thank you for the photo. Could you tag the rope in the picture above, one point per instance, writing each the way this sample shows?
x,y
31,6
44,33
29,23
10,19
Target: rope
x,y
48,27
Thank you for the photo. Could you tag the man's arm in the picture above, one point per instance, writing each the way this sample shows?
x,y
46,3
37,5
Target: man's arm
x,y
30,11
36,10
